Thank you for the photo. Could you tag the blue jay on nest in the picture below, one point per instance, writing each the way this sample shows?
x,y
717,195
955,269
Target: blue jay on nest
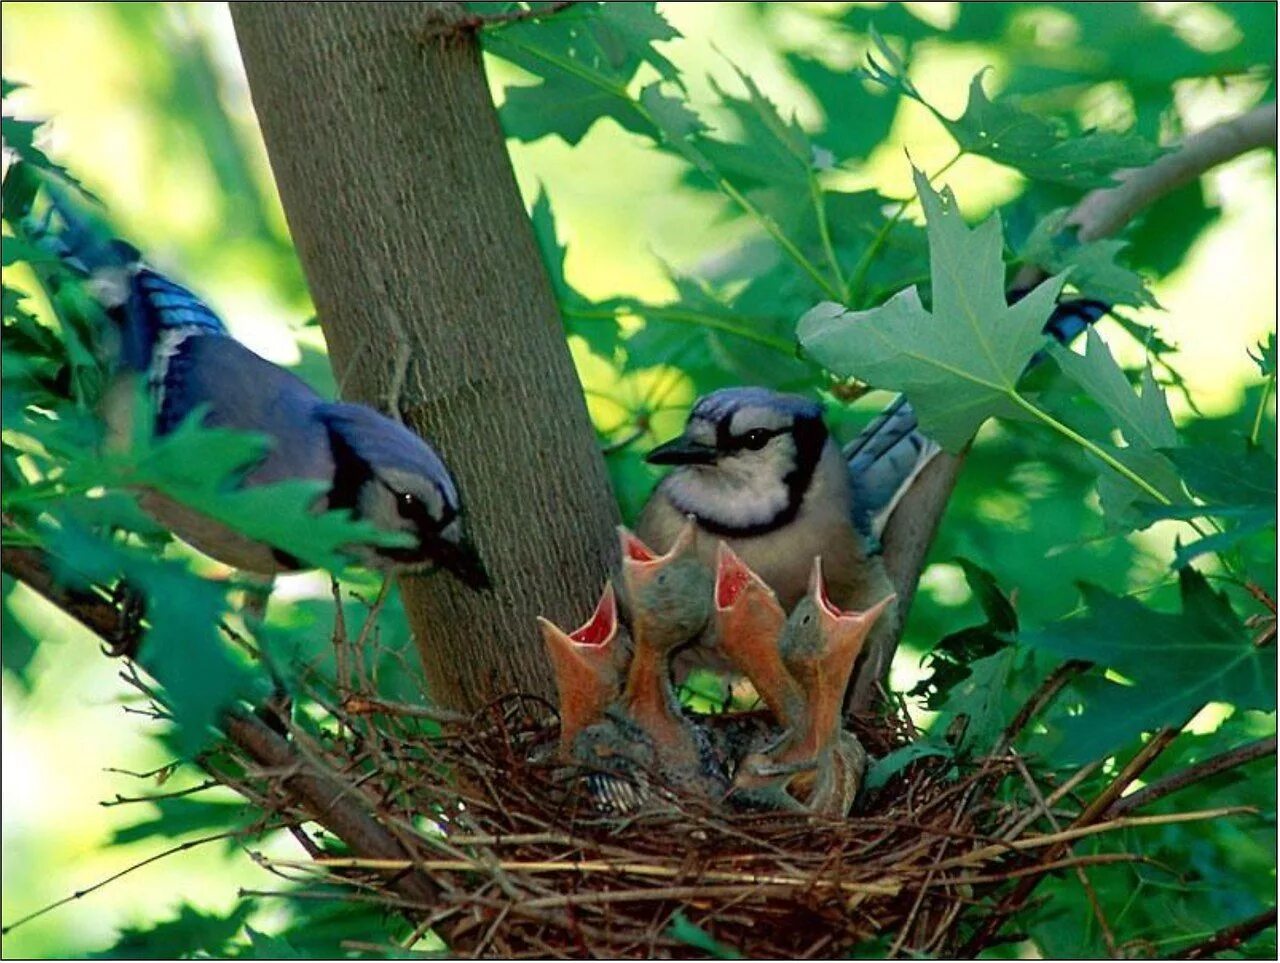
x,y
373,466
760,471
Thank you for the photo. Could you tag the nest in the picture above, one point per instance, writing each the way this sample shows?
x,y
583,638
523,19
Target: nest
x,y
471,829
512,857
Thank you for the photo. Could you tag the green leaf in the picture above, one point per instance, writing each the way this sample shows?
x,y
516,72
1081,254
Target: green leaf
x,y
20,137
767,150
1177,662
182,816
1096,717
1143,419
857,119
1266,356
584,57
1238,486
268,947
980,704
1093,267
683,929
959,361
187,934
949,660
182,649
1042,148
1243,476
20,645
885,768
198,466
18,250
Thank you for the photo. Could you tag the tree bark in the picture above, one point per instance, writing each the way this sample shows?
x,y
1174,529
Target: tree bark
x,y
434,300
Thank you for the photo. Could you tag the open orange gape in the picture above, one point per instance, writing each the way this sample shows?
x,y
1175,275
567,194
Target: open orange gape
x,y
620,720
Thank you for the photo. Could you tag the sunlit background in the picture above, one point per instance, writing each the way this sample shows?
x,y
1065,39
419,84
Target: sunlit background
x,y
150,107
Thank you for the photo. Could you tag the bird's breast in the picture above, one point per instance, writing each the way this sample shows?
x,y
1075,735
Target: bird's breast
x,y
211,537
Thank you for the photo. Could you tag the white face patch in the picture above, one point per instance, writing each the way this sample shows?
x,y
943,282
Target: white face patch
x,y
742,489
423,489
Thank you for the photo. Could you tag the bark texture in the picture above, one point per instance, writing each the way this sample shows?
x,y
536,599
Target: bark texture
x,y
434,300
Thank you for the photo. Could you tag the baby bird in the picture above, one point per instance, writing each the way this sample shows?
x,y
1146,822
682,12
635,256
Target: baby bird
x,y
749,622
817,765
669,601
588,665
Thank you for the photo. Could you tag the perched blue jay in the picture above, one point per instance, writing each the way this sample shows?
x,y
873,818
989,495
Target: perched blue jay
x,y
760,470
374,467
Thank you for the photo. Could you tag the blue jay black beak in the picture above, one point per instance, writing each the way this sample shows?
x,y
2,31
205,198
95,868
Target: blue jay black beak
x,y
682,450
462,560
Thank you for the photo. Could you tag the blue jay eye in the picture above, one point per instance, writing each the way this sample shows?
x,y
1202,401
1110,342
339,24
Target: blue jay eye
x,y
756,439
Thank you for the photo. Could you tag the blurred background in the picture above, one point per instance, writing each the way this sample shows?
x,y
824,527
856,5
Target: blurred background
x,y
147,103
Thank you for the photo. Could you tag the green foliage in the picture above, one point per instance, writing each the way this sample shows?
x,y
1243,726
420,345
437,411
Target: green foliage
x,y
959,361
1066,462
1093,269
1037,146
1076,472
584,58
173,939
1178,661
691,934
951,660
886,767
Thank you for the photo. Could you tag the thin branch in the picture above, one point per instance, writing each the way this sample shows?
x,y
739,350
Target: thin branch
x,y
1089,818
1232,936
153,797
457,25
1206,768
364,706
1048,690
1108,935
82,893
1104,212
330,802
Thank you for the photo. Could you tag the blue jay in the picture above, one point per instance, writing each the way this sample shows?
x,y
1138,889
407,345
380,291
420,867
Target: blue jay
x,y
374,467
760,470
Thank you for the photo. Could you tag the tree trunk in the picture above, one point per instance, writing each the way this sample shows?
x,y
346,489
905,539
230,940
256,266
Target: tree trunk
x,y
434,300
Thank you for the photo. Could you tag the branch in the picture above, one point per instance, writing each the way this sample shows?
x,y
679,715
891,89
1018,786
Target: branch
x,y
1204,769
1092,814
1048,690
444,24
332,803
31,567
1232,936
1105,211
